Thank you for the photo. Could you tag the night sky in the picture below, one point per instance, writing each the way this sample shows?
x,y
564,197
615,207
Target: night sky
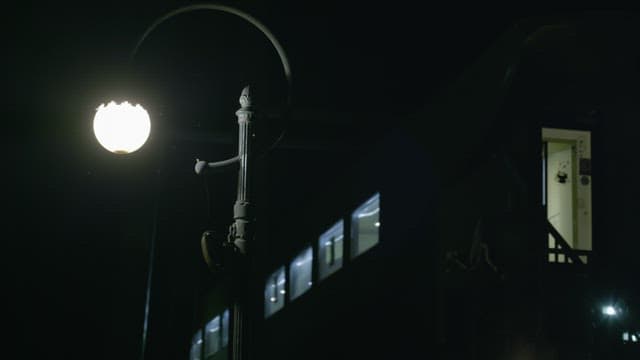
x,y
75,257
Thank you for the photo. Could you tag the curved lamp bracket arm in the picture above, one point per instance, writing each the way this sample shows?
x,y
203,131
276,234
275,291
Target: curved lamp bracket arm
x,y
202,165
253,21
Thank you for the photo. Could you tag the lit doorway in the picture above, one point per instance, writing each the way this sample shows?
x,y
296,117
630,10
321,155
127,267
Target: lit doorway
x,y
566,193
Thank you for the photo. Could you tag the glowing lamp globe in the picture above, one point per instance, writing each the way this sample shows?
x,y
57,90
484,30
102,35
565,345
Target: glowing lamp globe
x,y
121,128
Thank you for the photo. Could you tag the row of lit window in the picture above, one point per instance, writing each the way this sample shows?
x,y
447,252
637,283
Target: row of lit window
x,y
365,227
212,339
630,337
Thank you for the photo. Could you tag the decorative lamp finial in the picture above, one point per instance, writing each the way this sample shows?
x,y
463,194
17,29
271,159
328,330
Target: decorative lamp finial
x,y
245,98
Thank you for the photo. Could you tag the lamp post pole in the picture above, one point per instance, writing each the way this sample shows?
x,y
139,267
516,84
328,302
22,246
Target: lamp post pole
x,y
240,232
241,209
233,254
242,222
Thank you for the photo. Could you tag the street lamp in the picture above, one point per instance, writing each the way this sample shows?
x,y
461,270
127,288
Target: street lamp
x,y
123,128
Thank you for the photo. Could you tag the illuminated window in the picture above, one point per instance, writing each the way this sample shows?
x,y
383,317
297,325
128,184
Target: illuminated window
x,y
365,226
300,273
212,338
225,328
274,291
196,346
566,193
330,250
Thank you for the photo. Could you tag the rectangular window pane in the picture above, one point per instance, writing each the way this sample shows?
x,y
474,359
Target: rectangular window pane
x,y
212,337
365,226
330,250
274,291
300,273
225,328
196,346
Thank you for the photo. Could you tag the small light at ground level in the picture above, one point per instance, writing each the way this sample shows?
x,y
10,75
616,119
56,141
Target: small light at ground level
x,y
609,311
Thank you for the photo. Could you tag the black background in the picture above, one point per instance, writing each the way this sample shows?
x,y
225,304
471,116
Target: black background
x,y
76,250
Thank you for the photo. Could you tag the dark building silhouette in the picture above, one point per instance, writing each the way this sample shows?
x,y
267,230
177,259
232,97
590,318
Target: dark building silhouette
x,y
496,227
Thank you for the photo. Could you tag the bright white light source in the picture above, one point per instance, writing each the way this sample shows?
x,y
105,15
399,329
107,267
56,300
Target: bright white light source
x,y
634,338
121,128
609,311
377,224
625,336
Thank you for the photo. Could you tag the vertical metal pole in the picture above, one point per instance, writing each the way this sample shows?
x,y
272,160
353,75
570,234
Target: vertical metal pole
x,y
242,229
241,207
147,302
